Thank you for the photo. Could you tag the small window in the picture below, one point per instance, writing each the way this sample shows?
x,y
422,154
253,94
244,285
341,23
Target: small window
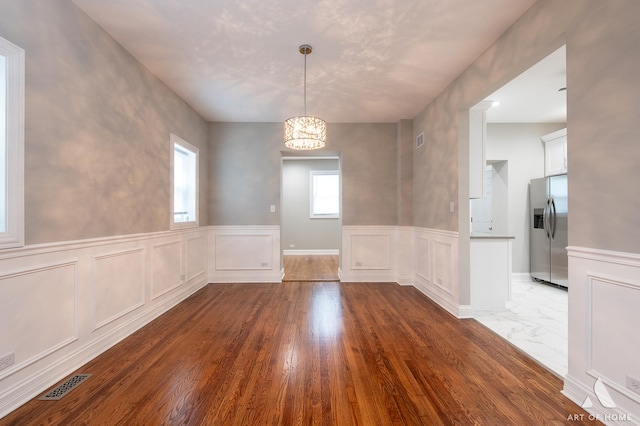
x,y
325,194
184,182
11,145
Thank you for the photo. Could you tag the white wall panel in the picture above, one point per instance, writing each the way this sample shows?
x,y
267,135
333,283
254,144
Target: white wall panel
x,y
196,257
167,267
238,252
118,285
37,312
443,258
613,339
423,257
406,255
244,254
370,251
604,342
369,254
437,267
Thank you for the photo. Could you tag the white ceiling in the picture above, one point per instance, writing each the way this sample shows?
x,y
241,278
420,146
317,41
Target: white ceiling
x,y
534,96
372,60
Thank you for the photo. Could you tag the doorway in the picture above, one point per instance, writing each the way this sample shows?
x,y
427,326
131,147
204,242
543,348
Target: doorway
x,y
530,106
311,218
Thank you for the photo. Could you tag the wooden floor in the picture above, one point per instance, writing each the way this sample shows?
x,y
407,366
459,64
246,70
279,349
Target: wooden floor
x,y
301,353
310,268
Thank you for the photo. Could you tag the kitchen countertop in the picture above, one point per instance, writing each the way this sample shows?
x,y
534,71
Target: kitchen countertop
x,y
488,236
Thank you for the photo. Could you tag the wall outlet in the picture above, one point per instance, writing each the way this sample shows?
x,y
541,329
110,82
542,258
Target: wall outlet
x,y
7,360
633,384
264,265
182,277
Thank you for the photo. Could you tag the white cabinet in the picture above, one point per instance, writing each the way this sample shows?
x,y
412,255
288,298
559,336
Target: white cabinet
x,y
555,153
490,270
477,138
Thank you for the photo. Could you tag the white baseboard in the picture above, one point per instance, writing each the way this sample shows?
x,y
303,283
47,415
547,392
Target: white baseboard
x,y
314,252
268,276
458,311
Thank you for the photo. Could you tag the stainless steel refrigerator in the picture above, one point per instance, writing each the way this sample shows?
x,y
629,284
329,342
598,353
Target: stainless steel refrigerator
x,y
548,239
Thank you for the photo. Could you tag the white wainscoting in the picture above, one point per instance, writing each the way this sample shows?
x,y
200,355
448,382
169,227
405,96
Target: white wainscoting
x,y
406,255
244,254
167,261
114,298
424,258
62,304
436,267
369,254
604,341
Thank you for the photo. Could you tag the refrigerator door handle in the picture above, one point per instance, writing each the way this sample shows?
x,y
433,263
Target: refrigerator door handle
x,y
545,219
554,218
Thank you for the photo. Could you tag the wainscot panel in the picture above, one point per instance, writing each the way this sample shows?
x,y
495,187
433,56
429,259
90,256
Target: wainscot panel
x,y
167,267
604,343
114,298
369,254
244,254
406,255
69,302
436,261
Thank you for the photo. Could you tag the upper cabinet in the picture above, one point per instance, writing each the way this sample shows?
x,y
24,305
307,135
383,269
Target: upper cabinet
x,y
555,153
477,140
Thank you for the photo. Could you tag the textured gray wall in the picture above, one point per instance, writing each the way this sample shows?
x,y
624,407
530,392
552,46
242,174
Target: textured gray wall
x,y
97,128
603,97
406,143
244,173
244,167
603,69
297,227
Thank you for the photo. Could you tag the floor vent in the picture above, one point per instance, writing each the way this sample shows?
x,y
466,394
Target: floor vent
x,y
64,388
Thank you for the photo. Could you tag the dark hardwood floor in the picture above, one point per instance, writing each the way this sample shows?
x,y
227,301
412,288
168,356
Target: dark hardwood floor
x,y
301,353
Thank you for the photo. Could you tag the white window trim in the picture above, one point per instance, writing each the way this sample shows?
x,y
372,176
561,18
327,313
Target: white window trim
x,y
176,140
14,235
313,173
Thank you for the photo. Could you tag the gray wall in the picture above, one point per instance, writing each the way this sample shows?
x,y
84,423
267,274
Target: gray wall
x,y
405,172
244,167
521,147
97,128
297,227
603,97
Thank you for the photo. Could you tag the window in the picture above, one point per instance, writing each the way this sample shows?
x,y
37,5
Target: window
x,y
325,194
184,182
11,145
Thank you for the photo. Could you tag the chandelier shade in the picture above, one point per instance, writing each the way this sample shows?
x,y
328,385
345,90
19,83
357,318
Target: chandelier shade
x,y
305,132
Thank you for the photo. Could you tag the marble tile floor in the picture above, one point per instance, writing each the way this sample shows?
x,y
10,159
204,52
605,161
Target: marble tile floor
x,y
536,321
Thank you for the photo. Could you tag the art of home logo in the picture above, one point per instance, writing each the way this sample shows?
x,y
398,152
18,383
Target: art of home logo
x,y
605,400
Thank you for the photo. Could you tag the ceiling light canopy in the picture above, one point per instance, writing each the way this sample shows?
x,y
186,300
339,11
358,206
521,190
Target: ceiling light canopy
x,y
305,132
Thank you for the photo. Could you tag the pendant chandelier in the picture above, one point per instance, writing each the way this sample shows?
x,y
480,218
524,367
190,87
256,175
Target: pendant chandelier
x,y
305,132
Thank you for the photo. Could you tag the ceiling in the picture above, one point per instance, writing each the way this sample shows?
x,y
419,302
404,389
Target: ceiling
x,y
372,60
534,96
